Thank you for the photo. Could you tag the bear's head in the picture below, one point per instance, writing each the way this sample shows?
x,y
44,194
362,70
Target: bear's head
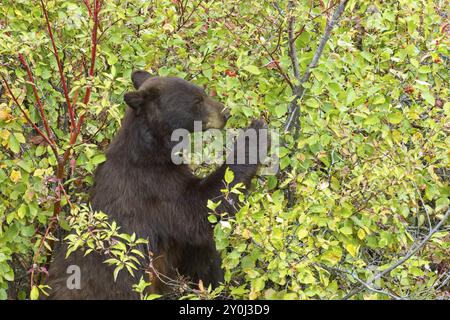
x,y
173,103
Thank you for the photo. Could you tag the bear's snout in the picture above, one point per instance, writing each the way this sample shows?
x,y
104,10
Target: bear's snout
x,y
218,114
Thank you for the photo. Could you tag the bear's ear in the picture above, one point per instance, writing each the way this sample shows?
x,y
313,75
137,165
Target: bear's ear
x,y
134,99
137,99
138,78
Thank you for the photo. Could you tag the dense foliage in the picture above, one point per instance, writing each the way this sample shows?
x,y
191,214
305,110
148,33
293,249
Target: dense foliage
x,y
363,179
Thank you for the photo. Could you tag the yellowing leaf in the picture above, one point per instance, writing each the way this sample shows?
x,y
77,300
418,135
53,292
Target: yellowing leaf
x,y
246,234
333,255
4,135
4,115
22,211
15,176
20,137
352,249
361,234
168,27
39,172
302,233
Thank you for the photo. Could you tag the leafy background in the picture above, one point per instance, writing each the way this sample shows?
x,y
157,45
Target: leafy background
x,y
363,175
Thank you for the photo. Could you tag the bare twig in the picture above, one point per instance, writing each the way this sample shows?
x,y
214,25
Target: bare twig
x,y
293,51
412,251
300,89
376,290
444,282
362,282
183,20
278,67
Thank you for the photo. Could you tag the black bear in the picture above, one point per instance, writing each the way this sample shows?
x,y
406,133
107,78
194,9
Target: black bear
x,y
140,188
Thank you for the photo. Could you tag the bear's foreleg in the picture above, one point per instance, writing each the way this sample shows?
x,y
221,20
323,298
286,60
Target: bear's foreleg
x,y
243,171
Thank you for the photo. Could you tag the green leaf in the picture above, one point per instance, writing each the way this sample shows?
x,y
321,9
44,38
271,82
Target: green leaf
x,y
229,176
3,294
14,144
313,103
22,211
116,272
212,218
8,274
428,97
19,136
27,231
372,120
34,293
97,159
395,117
351,97
346,230
280,110
25,166
379,99
252,69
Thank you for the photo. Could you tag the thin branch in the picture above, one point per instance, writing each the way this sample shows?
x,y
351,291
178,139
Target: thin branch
x,y
27,118
411,252
376,290
293,51
94,42
75,127
277,65
443,283
41,244
300,89
36,96
280,29
185,20
362,282
88,6
60,67
423,205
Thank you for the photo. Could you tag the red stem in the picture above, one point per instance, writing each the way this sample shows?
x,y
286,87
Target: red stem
x,y
75,128
36,95
60,68
87,96
39,131
88,6
36,255
47,232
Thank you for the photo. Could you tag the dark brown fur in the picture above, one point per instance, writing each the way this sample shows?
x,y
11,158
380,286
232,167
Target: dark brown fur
x,y
144,192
